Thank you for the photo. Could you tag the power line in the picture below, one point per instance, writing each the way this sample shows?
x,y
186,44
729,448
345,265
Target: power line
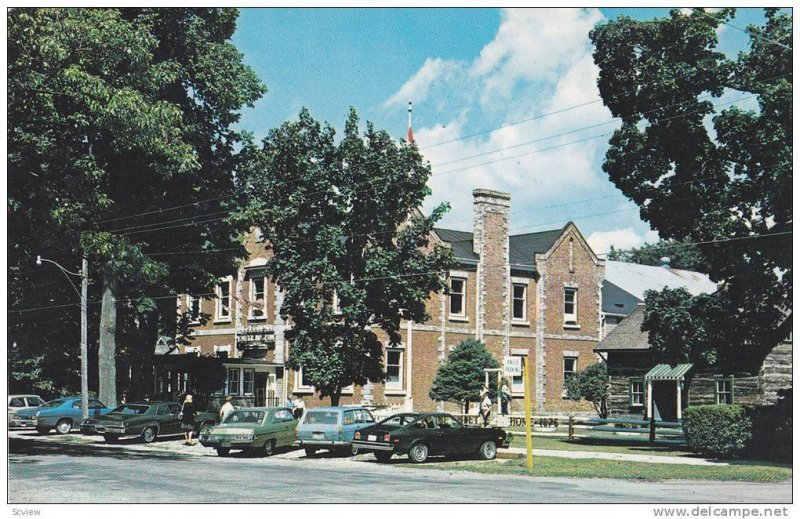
x,y
722,240
754,33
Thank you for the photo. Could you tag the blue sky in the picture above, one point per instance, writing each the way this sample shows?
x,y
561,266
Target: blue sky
x,y
468,71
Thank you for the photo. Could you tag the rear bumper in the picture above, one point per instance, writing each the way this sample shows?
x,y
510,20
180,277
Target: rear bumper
x,y
323,443
109,431
226,444
373,446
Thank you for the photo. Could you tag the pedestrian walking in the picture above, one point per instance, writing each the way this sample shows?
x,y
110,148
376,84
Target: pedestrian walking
x,y
505,398
226,408
187,419
299,407
486,409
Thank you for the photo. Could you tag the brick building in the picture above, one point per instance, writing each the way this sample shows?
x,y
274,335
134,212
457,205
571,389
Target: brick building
x,y
536,295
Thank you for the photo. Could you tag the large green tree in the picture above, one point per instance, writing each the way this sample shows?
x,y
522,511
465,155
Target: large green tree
x,y
682,254
720,178
461,377
342,221
121,145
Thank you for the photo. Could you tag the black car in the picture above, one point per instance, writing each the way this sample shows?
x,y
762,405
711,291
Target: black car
x,y
426,434
148,420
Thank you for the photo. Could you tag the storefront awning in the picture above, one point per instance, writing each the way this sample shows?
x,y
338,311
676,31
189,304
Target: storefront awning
x,y
667,372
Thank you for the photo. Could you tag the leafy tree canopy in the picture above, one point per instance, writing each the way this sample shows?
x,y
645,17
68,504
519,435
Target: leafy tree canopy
x,y
342,220
591,384
720,177
682,254
460,378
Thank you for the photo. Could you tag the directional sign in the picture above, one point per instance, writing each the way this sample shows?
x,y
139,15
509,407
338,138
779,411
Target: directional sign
x,y
512,366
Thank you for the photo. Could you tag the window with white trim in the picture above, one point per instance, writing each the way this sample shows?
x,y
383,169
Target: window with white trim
x,y
458,296
192,350
570,369
222,351
233,381
519,302
193,308
248,381
636,393
517,382
301,383
570,306
258,298
223,306
724,390
394,369
336,304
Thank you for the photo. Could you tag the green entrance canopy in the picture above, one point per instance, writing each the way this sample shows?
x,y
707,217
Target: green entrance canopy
x,y
667,372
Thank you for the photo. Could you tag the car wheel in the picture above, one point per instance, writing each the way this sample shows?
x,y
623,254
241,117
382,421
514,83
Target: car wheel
x,y
382,457
353,450
149,434
269,448
310,452
109,438
64,426
418,453
488,450
223,451
42,430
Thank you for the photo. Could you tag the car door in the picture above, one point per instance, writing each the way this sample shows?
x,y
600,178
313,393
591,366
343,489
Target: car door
x,y
283,425
167,420
451,435
349,425
425,430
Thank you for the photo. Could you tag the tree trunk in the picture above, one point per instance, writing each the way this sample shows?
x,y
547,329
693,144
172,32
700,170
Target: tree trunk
x,y
466,406
107,352
335,396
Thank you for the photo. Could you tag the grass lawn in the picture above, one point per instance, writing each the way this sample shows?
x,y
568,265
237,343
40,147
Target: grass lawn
x,y
612,445
596,468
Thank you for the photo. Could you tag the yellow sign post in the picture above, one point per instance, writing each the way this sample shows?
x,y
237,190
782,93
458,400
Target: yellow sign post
x,y
528,425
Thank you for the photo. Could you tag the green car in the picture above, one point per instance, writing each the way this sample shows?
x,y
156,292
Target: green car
x,y
256,429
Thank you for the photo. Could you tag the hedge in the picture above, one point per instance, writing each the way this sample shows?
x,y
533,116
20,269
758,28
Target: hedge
x,y
718,430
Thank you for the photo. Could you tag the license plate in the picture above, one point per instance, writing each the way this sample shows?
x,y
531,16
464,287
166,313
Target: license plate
x,y
319,436
372,438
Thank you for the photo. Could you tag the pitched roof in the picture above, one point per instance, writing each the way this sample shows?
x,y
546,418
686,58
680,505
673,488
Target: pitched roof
x,y
616,300
522,247
627,335
635,279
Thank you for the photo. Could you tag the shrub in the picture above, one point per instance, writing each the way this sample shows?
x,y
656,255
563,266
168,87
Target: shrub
x,y
718,430
772,429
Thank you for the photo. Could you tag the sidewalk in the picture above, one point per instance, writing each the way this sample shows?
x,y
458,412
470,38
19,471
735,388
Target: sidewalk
x,y
517,452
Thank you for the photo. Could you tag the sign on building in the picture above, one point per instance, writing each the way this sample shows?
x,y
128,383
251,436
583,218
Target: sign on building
x,y
255,336
512,366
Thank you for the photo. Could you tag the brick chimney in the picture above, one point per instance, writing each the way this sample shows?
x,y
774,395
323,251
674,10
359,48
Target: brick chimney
x,y
490,243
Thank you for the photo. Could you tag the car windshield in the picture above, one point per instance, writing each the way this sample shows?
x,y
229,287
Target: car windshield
x,y
322,417
53,403
243,416
398,420
131,409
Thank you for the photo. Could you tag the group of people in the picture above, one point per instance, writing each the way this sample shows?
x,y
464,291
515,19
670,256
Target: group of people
x,y
486,402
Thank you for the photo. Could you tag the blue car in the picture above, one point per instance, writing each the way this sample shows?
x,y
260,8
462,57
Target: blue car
x,y
62,414
331,428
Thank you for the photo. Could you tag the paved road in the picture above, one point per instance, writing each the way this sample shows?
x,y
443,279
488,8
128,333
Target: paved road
x,y
49,470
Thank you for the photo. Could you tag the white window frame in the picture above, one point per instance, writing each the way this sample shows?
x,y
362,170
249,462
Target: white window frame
x,y
228,379
632,394
223,347
518,388
398,385
190,301
462,315
299,387
718,393
192,349
574,372
336,305
218,317
571,319
243,378
254,283
524,318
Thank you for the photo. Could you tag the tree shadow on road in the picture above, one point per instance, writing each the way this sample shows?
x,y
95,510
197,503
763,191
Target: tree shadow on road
x,y
34,447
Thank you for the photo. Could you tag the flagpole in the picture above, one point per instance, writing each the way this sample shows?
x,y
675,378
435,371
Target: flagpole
x,y
410,131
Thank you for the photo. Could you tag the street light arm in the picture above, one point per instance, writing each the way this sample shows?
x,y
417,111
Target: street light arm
x,y
39,261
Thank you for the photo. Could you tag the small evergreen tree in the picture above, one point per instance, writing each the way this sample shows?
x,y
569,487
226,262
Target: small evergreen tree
x,y
460,378
592,385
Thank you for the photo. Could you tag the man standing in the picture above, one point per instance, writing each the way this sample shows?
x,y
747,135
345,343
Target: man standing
x,y
486,409
505,398
226,408
299,407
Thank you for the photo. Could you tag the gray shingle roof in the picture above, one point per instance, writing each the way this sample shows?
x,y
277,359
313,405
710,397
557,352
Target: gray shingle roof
x,y
616,300
636,279
522,247
627,335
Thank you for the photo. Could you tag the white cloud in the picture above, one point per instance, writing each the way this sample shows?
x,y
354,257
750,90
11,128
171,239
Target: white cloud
x,y
416,89
601,241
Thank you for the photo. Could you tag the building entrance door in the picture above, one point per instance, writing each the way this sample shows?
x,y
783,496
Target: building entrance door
x,y
665,400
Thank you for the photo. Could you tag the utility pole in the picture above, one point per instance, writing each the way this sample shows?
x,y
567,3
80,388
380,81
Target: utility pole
x,y
84,337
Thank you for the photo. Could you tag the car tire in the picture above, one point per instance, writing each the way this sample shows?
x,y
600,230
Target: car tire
x,y
64,426
42,430
382,457
269,448
418,453
149,434
310,452
110,438
488,450
223,451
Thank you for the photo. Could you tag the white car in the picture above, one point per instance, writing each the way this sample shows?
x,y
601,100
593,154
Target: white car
x,y
18,403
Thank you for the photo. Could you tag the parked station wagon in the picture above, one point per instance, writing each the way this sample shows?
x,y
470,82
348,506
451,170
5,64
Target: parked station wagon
x,y
421,435
148,420
257,429
331,428
17,403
